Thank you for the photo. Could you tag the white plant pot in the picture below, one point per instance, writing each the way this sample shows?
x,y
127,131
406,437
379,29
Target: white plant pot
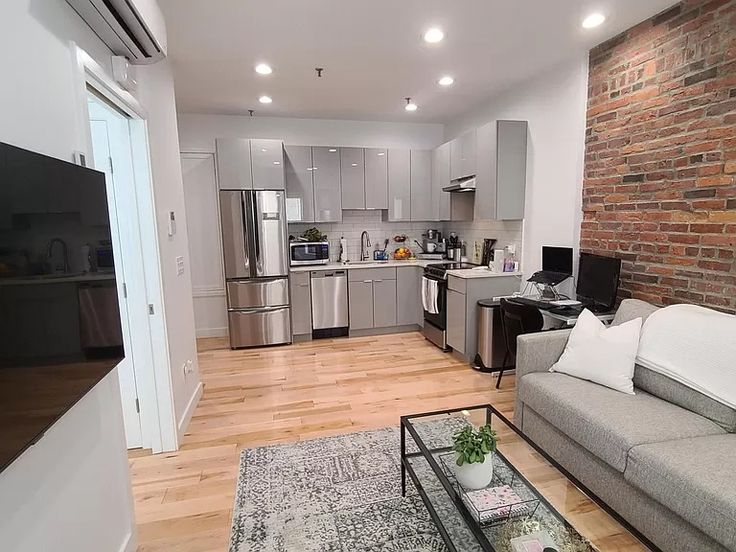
x,y
475,476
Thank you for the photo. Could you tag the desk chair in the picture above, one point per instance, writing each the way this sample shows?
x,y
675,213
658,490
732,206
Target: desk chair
x,y
516,319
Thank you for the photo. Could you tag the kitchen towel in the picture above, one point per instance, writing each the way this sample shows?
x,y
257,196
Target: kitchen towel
x,y
429,295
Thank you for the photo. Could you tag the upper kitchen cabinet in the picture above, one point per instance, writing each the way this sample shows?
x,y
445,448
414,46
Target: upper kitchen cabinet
x,y
267,161
440,179
352,176
399,184
421,185
463,155
299,184
376,178
326,178
234,164
501,171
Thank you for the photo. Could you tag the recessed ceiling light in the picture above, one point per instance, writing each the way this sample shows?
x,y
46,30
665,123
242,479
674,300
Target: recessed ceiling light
x,y
265,99
263,69
354,164
446,80
277,162
410,105
593,20
434,35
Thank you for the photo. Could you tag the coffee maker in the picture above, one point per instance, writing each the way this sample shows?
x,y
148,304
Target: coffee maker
x,y
432,242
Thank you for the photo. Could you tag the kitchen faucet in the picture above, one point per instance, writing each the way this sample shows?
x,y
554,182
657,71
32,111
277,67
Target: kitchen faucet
x,y
365,243
64,251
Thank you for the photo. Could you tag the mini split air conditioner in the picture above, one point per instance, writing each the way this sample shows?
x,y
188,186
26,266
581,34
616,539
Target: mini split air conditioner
x,y
131,28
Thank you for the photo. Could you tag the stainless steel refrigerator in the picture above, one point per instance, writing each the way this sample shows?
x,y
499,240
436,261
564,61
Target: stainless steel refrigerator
x,y
254,239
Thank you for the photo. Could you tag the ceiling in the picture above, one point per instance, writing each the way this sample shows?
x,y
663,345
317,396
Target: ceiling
x,y
373,53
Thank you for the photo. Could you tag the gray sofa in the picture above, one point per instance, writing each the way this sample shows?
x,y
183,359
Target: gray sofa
x,y
664,458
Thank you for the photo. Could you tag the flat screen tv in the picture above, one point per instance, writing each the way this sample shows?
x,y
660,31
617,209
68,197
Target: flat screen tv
x,y
60,330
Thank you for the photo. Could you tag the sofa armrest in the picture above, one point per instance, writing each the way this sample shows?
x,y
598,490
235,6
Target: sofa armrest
x,y
536,352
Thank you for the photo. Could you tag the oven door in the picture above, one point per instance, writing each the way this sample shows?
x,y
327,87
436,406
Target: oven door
x,y
309,253
438,320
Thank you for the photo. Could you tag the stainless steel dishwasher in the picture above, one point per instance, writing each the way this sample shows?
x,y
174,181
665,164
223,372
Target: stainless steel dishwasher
x,y
329,303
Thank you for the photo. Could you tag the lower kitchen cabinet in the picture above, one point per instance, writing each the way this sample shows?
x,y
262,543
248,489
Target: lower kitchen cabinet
x,y
409,296
463,295
301,304
360,299
384,303
456,320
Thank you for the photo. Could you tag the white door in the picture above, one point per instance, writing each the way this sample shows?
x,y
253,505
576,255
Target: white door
x,y
112,155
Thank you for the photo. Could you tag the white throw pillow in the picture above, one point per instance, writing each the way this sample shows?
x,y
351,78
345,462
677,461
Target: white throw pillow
x,y
604,355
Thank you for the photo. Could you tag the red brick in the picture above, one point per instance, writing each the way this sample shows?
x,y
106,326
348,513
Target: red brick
x,y
660,163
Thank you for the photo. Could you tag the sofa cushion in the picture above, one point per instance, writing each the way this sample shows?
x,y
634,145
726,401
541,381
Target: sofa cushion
x,y
606,422
694,478
675,392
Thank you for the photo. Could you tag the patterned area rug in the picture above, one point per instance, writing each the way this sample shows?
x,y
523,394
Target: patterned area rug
x,y
343,494
336,494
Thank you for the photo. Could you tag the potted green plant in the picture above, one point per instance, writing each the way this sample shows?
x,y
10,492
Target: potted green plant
x,y
474,450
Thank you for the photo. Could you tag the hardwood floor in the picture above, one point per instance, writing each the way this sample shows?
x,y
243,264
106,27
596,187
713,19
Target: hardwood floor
x,y
253,397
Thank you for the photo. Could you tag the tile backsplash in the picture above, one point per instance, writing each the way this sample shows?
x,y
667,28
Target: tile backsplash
x,y
354,222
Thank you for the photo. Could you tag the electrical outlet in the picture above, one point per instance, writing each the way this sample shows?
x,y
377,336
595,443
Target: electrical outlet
x,y
179,266
189,366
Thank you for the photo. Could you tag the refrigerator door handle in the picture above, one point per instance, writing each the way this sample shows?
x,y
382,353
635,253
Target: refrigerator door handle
x,y
257,235
246,245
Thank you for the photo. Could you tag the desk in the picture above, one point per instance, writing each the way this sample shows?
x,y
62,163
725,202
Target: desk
x,y
553,320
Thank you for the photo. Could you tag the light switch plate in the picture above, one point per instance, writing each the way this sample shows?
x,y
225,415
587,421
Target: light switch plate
x,y
179,265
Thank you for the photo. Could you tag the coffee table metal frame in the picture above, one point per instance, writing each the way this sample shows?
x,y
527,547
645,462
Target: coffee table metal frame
x,y
476,528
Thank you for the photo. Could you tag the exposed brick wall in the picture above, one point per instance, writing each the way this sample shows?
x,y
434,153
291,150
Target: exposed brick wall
x,y
659,189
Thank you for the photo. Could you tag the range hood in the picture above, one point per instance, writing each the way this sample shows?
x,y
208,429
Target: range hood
x,y
461,185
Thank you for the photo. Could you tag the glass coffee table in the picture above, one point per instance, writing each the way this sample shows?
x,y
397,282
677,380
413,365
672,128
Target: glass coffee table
x,y
468,522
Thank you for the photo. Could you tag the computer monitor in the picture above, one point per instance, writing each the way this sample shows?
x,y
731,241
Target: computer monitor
x,y
557,259
598,281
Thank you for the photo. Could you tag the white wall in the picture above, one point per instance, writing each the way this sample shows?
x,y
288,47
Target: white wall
x,y
156,93
554,104
70,491
198,132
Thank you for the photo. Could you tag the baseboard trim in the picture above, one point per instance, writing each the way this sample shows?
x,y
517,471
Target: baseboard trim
x,y
384,331
212,332
189,410
129,545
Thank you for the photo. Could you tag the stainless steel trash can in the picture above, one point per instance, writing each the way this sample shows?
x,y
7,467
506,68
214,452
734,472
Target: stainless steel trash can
x,y
491,344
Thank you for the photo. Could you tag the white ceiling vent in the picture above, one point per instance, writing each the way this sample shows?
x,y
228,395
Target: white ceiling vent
x,y
131,28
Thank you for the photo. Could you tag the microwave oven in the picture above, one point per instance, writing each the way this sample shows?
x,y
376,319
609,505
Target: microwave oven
x,y
309,253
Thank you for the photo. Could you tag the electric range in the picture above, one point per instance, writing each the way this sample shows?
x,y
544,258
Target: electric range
x,y
439,270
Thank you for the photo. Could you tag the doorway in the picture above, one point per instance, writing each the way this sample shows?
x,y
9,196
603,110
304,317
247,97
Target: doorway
x,y
112,151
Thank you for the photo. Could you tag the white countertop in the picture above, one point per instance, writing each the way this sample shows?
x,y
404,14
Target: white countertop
x,y
480,272
420,263
49,279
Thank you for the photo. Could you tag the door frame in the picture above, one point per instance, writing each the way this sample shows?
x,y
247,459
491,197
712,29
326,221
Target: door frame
x,y
158,418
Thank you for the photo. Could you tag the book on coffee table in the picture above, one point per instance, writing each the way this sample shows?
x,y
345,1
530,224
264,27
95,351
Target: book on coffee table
x,y
496,503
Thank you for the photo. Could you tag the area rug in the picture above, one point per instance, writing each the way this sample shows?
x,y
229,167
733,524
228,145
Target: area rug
x,y
343,494
327,495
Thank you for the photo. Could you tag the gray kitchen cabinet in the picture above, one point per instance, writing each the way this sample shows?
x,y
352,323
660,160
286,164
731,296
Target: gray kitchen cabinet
x,y
463,155
384,303
501,171
234,171
441,178
463,295
352,178
301,303
326,177
456,320
420,177
376,178
299,184
360,300
409,296
267,164
399,184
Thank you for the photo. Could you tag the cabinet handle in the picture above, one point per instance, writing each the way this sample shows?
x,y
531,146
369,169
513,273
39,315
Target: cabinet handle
x,y
378,280
303,285
367,281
